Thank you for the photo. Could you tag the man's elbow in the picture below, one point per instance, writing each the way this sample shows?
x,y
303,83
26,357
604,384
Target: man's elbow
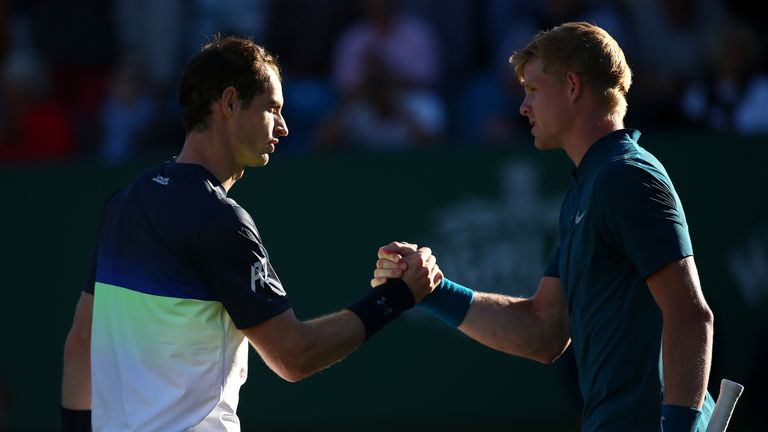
x,y
549,352
700,317
293,362
294,370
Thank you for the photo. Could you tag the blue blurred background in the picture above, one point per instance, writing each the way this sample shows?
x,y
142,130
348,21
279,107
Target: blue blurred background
x,y
377,93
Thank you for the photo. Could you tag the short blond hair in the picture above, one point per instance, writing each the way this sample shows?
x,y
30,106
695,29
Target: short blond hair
x,y
587,50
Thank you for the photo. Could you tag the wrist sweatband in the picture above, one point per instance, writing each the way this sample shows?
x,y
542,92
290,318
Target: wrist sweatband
x,y
675,418
379,306
449,302
75,420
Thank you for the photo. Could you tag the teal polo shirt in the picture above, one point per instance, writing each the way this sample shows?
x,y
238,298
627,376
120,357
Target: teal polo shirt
x,y
620,221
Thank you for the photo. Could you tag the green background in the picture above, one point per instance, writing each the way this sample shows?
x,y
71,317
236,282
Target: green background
x,y
322,219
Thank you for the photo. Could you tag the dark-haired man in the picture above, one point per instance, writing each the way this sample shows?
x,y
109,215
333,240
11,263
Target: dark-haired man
x,y
181,281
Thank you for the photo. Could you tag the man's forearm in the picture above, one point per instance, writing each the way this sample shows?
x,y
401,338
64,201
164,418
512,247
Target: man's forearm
x,y
76,376
515,326
687,357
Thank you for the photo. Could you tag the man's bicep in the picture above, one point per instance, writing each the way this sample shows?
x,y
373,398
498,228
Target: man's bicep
x,y
271,336
279,341
84,314
550,301
676,288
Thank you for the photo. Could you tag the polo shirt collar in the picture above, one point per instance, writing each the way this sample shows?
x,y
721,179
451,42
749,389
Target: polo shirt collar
x,y
614,143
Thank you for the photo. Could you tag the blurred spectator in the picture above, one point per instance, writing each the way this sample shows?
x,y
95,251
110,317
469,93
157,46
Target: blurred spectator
x,y
534,17
733,96
246,18
457,25
671,53
303,32
380,115
76,40
128,110
386,67
404,43
33,127
488,102
152,31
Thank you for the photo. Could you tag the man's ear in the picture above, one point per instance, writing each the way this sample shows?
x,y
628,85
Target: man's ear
x,y
228,101
573,83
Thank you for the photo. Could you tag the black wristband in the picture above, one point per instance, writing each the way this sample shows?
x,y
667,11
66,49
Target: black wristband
x,y
75,420
379,306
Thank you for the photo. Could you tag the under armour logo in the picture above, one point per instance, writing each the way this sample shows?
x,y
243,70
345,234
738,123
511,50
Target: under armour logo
x,y
382,301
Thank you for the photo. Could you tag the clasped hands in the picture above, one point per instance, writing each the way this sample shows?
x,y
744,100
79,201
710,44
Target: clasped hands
x,y
417,267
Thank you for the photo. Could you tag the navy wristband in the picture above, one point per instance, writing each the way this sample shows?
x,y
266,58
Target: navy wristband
x,y
449,302
75,420
675,418
379,306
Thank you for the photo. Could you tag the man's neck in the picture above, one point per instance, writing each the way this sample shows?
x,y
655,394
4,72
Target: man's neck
x,y
201,148
583,137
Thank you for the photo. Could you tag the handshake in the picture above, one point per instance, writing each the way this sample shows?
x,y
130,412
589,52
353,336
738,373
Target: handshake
x,y
406,275
416,267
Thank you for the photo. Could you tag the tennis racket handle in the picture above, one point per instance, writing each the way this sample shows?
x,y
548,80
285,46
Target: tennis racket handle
x,y
726,402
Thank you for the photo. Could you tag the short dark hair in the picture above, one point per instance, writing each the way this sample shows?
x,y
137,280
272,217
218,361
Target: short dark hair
x,y
226,61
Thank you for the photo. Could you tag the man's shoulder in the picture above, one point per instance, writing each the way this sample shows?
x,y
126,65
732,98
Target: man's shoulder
x,y
186,192
624,177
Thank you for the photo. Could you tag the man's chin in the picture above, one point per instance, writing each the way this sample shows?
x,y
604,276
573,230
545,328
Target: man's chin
x,y
542,145
258,162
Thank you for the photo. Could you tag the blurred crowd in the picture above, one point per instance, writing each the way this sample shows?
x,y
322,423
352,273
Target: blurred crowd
x,y
96,78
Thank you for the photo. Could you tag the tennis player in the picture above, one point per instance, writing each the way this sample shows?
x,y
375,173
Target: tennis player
x,y
181,280
622,286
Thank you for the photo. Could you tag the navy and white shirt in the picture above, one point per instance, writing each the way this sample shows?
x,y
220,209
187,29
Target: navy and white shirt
x,y
178,269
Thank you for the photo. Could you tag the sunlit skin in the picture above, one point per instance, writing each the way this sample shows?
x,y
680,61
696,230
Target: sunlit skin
x,y
254,131
547,107
564,114
238,136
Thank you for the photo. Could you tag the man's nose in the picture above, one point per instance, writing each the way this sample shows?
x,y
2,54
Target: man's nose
x,y
281,128
524,107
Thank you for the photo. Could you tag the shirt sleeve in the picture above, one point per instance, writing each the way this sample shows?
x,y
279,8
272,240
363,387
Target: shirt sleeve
x,y
643,217
236,266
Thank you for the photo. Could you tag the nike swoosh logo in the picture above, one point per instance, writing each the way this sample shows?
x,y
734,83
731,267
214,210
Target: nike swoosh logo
x,y
579,217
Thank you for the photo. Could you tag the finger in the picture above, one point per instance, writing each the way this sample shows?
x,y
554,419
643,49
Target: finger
x,y
387,273
425,252
433,272
418,259
388,255
395,250
439,277
431,262
377,281
387,264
